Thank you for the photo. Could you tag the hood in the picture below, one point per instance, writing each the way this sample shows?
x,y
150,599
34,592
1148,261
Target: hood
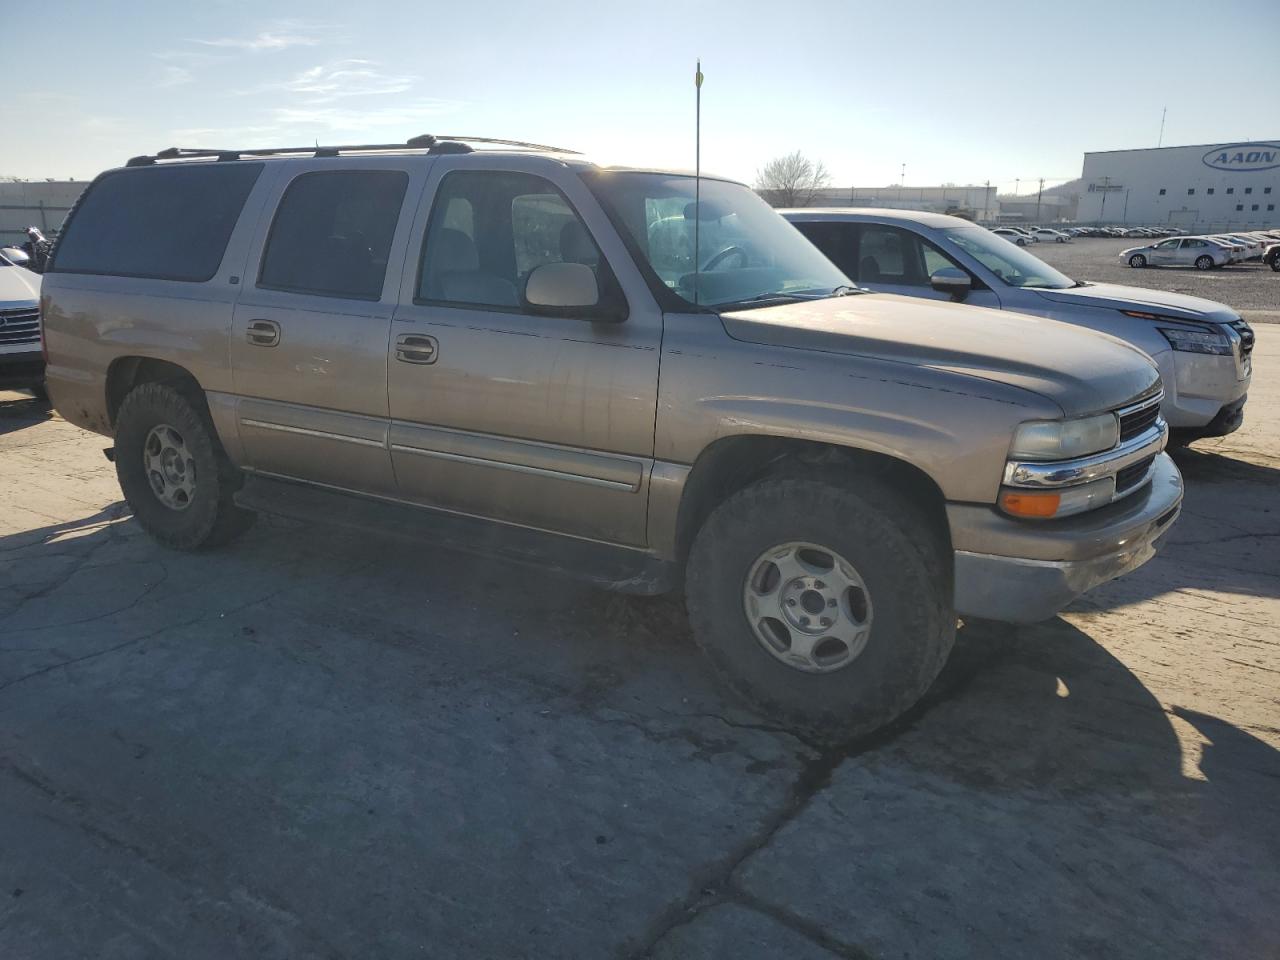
x,y
1082,371
18,287
1117,297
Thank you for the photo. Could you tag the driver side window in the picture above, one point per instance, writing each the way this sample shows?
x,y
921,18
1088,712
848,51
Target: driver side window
x,y
489,230
896,256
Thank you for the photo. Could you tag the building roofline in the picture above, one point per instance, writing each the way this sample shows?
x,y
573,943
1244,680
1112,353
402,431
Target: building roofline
x,y
1186,146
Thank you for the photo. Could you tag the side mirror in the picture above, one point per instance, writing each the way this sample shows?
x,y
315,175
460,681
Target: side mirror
x,y
952,281
568,290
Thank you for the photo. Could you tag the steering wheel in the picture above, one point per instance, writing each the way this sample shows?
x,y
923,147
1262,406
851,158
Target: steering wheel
x,y
723,255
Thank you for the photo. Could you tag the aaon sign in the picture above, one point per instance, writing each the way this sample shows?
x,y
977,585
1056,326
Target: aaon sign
x,y
1243,157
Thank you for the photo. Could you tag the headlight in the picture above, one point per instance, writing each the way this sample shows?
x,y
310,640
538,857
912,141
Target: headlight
x,y
1196,341
1065,439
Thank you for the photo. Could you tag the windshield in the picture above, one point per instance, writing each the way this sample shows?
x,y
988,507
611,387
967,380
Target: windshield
x,y
746,251
1006,260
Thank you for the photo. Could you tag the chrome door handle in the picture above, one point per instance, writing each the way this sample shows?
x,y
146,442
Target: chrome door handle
x,y
416,348
263,333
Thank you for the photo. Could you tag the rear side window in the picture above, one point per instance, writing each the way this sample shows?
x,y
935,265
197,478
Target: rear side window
x,y
332,233
165,223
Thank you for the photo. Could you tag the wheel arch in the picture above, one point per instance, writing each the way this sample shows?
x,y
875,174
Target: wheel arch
x,y
126,373
733,463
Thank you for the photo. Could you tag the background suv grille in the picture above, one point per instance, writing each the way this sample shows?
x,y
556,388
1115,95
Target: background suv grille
x,y
1246,337
19,326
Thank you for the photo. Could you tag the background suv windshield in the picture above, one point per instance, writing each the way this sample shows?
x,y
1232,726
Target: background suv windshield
x,y
1009,262
745,250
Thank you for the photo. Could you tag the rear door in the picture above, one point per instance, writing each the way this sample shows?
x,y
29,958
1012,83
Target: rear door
x,y
504,412
310,331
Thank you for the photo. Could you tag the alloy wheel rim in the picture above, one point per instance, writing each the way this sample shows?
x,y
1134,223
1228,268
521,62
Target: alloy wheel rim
x,y
170,467
808,607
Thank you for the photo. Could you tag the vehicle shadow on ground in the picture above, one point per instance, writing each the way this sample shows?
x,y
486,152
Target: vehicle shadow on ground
x,y
1225,542
431,661
1208,466
22,412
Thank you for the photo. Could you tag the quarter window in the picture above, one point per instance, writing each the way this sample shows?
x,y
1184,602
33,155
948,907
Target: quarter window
x,y
332,233
489,230
162,222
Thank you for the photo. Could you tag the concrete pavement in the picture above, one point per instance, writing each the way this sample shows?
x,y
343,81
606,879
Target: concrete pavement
x,y
316,744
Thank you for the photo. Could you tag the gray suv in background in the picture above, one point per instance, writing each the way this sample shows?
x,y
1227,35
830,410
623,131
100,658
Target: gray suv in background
x,y
1203,348
621,374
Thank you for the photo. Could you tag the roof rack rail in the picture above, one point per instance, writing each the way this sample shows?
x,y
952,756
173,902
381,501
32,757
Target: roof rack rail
x,y
429,142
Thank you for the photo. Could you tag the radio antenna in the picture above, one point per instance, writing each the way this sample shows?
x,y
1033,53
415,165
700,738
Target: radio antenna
x,y
697,180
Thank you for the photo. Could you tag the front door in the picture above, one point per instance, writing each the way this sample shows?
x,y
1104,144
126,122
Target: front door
x,y
1164,252
501,411
310,331
889,259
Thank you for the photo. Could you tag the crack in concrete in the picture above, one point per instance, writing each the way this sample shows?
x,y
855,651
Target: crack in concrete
x,y
714,884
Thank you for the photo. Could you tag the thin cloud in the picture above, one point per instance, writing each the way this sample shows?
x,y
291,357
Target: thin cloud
x,y
279,36
346,78
174,76
327,119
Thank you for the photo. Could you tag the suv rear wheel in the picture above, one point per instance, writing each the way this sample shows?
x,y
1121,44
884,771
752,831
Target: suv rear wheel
x,y
173,471
824,602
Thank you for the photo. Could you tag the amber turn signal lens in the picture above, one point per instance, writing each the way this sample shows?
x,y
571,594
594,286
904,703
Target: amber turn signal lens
x,y
1020,503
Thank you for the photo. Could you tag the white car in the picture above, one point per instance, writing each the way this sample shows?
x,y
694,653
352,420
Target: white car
x,y
1203,349
21,362
1051,236
1253,246
1013,236
1238,251
1199,252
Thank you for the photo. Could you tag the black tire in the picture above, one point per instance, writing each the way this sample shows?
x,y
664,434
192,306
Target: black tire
x,y
1022,241
907,573
1275,264
211,517
1204,262
1137,261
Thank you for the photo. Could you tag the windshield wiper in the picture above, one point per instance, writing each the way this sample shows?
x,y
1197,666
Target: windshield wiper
x,y
846,290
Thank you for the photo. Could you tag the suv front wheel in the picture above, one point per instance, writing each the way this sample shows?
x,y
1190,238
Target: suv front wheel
x,y
172,469
825,602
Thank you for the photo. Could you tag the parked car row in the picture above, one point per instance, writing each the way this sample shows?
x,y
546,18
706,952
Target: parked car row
x,y
1205,252
463,343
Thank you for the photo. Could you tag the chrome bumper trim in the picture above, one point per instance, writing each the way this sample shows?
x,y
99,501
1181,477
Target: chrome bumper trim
x,y
1066,473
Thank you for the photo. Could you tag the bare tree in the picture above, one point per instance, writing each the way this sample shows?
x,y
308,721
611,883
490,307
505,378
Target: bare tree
x,y
791,181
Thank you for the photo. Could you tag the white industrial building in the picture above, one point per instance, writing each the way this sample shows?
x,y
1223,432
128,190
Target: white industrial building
x,y
38,203
1201,188
973,202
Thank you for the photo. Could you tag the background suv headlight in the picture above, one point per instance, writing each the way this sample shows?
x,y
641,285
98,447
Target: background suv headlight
x,y
1196,341
1065,439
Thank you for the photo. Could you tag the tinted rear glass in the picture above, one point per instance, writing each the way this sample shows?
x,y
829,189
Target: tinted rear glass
x,y
332,233
169,223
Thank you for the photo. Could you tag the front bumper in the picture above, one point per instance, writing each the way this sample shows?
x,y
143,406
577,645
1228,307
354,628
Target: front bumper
x,y
1198,386
1024,572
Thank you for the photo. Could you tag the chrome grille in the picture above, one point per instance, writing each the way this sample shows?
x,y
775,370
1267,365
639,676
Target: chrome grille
x,y
19,326
1140,417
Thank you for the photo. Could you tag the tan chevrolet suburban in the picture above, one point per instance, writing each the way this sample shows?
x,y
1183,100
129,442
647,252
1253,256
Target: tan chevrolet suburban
x,y
619,374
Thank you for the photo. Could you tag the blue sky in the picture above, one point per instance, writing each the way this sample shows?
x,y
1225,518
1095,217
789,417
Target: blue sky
x,y
959,92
